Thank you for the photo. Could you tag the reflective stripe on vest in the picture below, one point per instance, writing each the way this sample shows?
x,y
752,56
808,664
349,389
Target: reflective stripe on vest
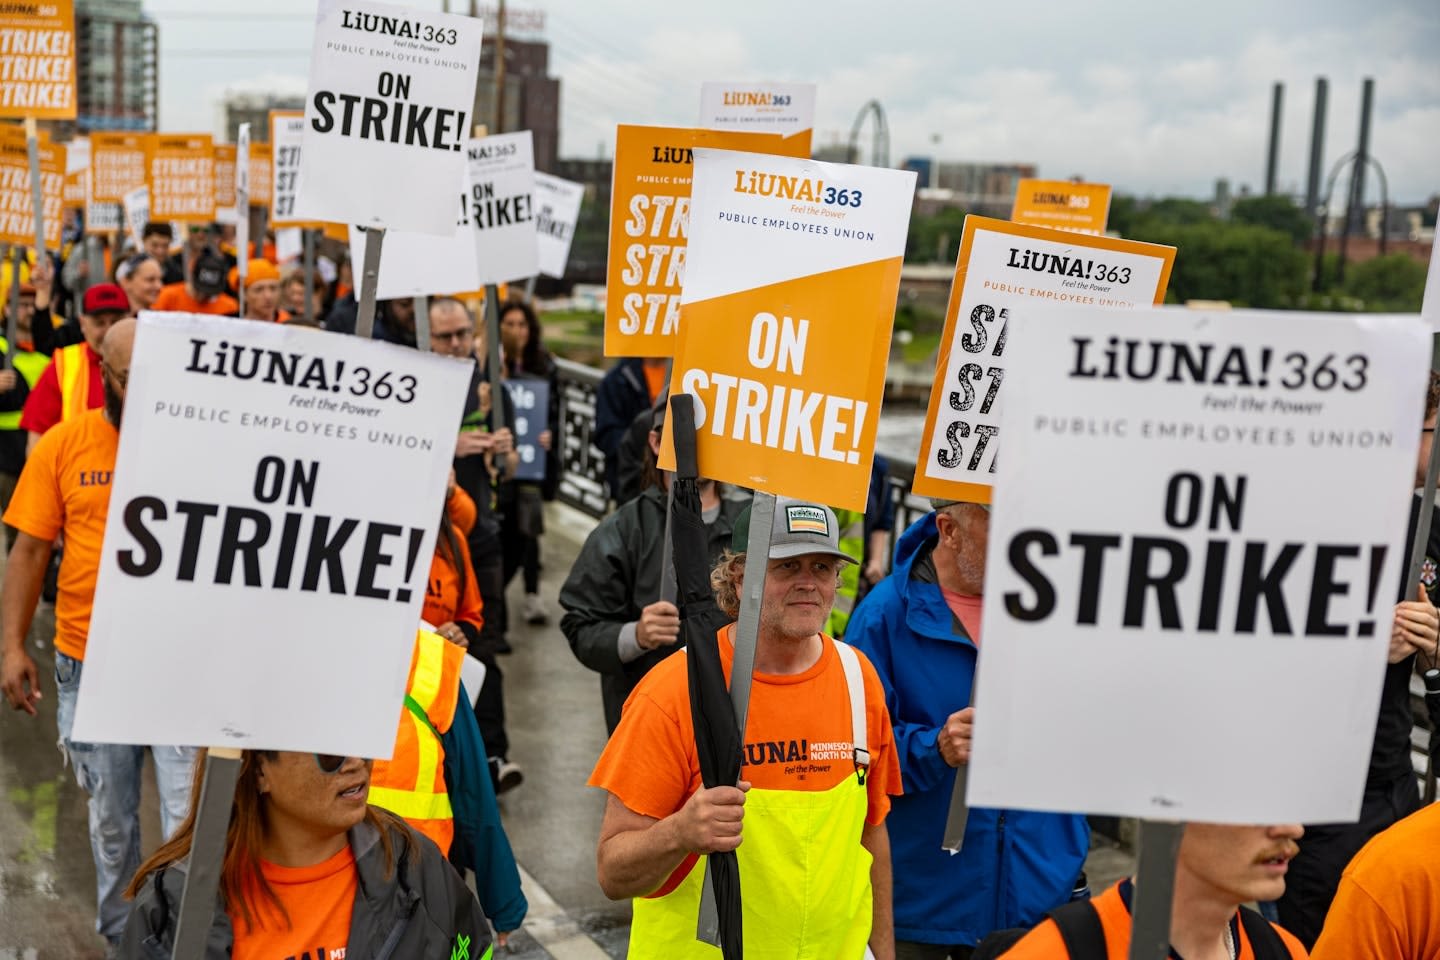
x,y
72,371
29,365
805,875
412,783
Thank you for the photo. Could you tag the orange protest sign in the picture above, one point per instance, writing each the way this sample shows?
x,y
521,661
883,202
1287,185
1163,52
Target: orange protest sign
x,y
182,178
224,175
119,162
649,228
1062,205
17,202
37,60
260,175
1002,269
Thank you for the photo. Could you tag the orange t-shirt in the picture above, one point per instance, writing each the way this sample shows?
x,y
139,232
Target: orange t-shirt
x,y
797,736
460,507
319,900
444,600
176,299
655,380
1045,943
65,487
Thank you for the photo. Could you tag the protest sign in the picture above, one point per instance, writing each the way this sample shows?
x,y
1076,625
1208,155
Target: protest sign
x,y
789,299
784,108
1062,205
37,60
423,265
388,115
557,211
500,210
225,154
17,200
1196,555
287,129
77,172
235,505
1430,306
119,162
182,178
531,398
137,213
261,182
1006,268
649,222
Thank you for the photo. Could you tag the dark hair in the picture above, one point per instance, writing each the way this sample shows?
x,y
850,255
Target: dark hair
x,y
534,358
449,547
157,228
1432,395
243,887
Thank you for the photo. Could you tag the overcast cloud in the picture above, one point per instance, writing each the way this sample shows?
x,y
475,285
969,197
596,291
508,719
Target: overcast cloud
x,y
1155,98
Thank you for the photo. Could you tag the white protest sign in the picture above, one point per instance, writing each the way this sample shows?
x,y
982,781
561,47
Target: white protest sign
x,y
287,128
289,244
557,211
388,115
137,213
1194,556
275,497
501,211
421,264
1003,269
789,298
787,108
1430,308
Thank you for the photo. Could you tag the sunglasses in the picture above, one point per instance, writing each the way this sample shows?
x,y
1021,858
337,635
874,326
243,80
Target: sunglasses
x,y
329,763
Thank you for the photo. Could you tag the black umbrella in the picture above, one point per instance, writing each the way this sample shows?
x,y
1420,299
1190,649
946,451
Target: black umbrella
x,y
717,735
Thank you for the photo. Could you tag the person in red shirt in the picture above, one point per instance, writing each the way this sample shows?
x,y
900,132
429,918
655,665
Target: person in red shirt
x,y
71,384
204,292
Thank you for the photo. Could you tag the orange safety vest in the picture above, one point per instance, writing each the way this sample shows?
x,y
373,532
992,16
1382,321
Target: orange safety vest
x,y
411,784
72,372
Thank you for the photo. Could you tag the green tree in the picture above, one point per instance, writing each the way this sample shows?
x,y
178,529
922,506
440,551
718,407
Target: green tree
x,y
1275,212
936,238
1247,265
1394,283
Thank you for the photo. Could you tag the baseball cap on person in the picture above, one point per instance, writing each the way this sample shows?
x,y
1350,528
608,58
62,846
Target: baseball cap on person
x,y
105,298
800,528
207,273
940,503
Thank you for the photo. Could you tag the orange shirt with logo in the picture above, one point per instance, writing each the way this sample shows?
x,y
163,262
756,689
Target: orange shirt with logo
x,y
65,487
445,598
175,298
319,901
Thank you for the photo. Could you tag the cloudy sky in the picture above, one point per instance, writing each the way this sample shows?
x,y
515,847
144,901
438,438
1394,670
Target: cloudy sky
x,y
1156,98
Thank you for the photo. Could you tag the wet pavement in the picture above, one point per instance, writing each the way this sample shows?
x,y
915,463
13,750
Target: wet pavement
x,y
554,718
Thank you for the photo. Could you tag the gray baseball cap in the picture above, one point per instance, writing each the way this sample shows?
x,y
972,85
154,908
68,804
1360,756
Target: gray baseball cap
x,y
801,528
940,503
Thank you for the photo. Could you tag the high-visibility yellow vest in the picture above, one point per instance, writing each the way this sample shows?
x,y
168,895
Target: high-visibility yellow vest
x,y
29,365
72,372
411,784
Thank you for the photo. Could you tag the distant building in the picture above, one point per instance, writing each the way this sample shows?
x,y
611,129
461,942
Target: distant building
x,y
590,245
531,97
983,188
254,108
116,69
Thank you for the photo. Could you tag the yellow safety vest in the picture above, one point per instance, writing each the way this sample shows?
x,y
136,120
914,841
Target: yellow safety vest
x,y
29,365
411,784
72,372
804,875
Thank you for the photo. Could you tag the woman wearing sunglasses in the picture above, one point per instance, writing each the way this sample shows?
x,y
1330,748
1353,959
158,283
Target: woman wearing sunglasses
x,y
309,865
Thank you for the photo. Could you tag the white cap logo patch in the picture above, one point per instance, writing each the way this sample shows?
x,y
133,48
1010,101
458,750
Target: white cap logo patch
x,y
803,519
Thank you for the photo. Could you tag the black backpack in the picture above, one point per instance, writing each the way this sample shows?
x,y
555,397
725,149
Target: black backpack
x,y
1085,938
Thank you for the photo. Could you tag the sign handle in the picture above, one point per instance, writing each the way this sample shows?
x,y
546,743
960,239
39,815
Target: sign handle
x,y
958,816
13,313
1154,889
530,298
369,280
307,245
1421,536
32,148
668,588
747,631
422,323
95,261
492,359
207,852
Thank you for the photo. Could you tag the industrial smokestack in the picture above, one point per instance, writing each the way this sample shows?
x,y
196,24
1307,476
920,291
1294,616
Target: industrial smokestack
x,y
1274,156
1317,146
1355,203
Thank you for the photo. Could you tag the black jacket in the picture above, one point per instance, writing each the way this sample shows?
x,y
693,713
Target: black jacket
x,y
622,396
344,317
615,577
421,911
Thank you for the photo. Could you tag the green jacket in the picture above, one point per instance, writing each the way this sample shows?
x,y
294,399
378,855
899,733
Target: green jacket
x,y
421,911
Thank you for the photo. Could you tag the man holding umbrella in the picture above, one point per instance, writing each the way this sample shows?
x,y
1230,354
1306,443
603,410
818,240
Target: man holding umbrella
x,y
818,768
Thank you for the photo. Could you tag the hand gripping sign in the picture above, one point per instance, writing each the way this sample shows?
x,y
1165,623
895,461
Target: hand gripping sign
x,y
499,209
388,116
788,303
290,588
1196,550
1004,269
1062,205
649,224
